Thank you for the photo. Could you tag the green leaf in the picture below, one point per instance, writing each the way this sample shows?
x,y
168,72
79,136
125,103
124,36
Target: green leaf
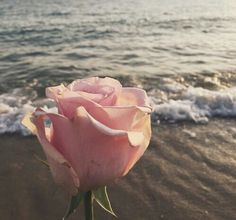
x,y
101,197
74,203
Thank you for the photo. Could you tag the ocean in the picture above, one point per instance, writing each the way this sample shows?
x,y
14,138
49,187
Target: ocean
x,y
183,53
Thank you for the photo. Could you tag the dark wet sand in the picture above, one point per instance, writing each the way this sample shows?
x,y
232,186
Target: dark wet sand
x,y
188,172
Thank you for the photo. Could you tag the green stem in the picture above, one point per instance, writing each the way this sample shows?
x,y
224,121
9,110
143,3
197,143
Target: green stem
x,y
88,206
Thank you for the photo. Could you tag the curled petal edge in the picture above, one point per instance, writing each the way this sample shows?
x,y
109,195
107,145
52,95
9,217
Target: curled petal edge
x,y
55,91
146,109
135,138
137,96
35,123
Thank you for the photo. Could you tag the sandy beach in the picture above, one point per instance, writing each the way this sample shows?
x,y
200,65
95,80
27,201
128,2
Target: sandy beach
x,y
188,172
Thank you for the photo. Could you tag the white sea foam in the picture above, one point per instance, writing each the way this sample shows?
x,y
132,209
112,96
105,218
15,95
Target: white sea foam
x,y
172,102
196,104
13,107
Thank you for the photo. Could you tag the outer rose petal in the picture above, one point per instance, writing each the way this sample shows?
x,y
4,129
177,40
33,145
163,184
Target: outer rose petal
x,y
107,152
134,138
97,153
62,171
55,91
129,118
134,97
140,139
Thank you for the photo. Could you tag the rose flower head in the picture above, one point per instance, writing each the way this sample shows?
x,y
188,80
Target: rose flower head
x,y
99,133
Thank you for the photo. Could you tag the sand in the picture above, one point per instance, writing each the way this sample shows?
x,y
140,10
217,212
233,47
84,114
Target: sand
x,y
188,172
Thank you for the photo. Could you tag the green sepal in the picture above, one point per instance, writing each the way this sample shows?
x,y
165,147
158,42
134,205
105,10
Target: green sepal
x,y
101,197
74,203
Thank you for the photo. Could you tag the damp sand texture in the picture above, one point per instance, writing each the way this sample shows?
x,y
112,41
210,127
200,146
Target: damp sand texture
x,y
188,172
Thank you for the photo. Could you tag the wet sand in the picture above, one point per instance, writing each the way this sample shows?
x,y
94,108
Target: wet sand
x,y
188,172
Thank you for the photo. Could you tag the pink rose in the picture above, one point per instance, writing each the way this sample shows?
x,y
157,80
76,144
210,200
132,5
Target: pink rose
x,y
99,134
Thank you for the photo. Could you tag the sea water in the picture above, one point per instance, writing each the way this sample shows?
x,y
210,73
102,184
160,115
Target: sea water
x,y
182,52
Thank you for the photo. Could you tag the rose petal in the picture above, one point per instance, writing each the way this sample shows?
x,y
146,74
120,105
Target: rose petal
x,y
101,90
55,91
97,153
61,169
67,105
94,97
134,97
89,92
95,85
135,138
27,122
131,120
106,153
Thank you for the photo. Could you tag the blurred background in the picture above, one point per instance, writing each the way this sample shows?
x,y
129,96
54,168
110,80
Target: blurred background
x,y
182,52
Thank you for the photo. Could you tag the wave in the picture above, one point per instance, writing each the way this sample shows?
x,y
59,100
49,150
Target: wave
x,y
172,102
194,104
13,107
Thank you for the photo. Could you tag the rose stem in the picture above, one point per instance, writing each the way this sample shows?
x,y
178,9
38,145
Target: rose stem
x,y
88,206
